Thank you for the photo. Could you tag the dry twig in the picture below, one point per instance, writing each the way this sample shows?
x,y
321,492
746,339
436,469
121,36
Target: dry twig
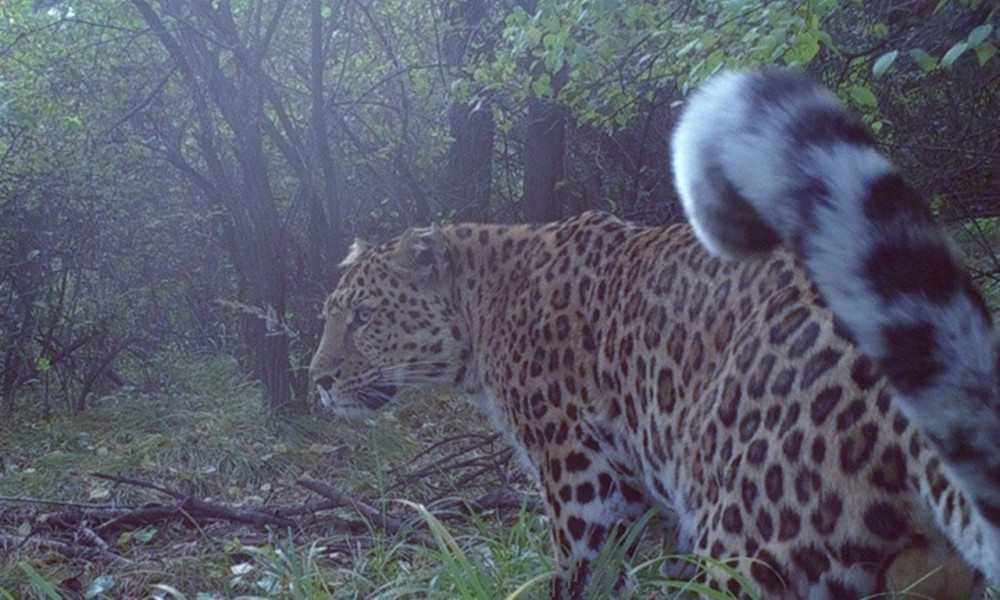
x,y
384,521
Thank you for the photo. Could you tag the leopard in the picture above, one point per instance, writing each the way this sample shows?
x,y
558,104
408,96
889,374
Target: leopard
x,y
802,375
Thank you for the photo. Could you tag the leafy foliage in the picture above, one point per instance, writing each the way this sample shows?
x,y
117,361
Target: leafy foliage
x,y
82,292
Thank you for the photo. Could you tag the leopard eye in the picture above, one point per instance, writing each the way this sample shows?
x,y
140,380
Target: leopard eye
x,y
362,315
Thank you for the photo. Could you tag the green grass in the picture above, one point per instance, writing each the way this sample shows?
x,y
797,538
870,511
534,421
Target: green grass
x,y
202,430
489,561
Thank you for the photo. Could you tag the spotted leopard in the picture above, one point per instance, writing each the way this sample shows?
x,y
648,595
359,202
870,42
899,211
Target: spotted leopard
x,y
634,369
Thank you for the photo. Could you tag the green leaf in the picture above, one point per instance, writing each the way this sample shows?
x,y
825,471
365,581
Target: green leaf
x,y
863,96
805,49
953,54
984,52
979,34
925,61
43,364
767,45
100,492
554,61
532,35
884,63
687,48
880,29
541,87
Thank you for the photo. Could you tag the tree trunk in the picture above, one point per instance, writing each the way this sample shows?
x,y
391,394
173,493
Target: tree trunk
x,y
544,169
469,176
544,149
325,228
470,161
470,158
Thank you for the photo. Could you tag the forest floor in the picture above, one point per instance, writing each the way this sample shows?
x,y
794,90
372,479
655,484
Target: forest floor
x,y
196,491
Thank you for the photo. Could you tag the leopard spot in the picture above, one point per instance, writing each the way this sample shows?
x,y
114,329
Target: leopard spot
x,y
772,417
597,536
788,325
804,341
789,524
823,404
818,365
747,353
811,561
864,373
732,520
765,525
890,473
767,574
665,391
824,518
756,453
774,483
758,381
856,449
885,521
818,450
748,492
783,382
576,462
851,415
748,425
576,527
730,402
792,445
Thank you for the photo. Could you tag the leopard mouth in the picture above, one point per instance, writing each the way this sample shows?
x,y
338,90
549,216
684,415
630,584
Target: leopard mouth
x,y
375,397
370,398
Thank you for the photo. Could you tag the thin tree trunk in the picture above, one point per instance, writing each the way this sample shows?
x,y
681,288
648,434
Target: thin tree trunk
x,y
544,170
325,217
470,158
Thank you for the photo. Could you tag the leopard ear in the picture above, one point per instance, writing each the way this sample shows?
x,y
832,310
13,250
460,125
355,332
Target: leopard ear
x,y
358,248
420,253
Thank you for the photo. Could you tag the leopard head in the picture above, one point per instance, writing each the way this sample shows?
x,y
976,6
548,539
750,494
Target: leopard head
x,y
390,323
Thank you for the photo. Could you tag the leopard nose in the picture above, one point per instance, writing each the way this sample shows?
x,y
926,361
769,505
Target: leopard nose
x,y
325,382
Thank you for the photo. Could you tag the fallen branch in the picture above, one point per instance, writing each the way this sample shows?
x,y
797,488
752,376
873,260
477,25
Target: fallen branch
x,y
66,549
195,509
383,521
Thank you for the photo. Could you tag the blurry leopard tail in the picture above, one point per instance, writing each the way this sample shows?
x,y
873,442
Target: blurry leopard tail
x,y
768,158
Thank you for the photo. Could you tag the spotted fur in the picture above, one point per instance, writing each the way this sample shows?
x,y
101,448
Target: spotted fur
x,y
633,369
777,151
